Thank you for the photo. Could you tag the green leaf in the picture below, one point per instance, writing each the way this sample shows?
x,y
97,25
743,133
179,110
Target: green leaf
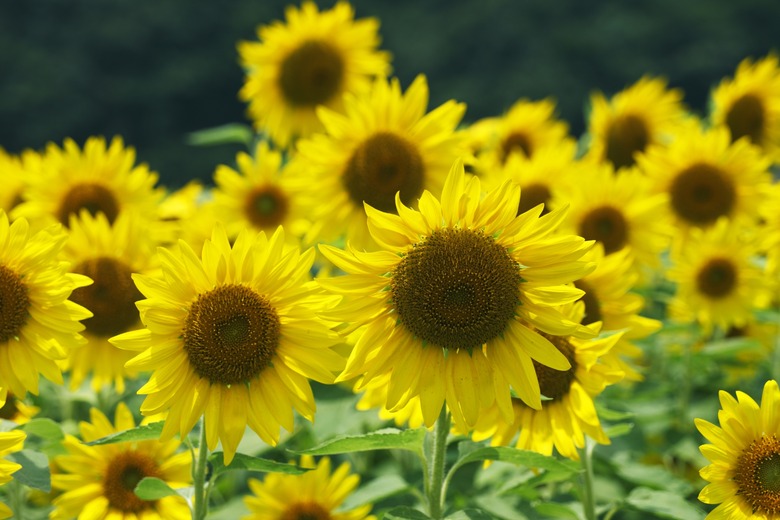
x,y
376,490
405,513
35,469
663,504
249,463
557,511
385,439
501,507
151,488
469,514
656,477
618,430
473,452
607,414
225,134
146,432
726,349
43,428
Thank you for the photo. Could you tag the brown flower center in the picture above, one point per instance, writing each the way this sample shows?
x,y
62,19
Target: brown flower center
x,y
607,225
14,304
717,278
701,194
231,334
306,511
516,142
92,197
592,304
757,475
533,195
312,74
266,207
626,135
555,384
111,297
9,410
746,117
123,474
380,167
456,289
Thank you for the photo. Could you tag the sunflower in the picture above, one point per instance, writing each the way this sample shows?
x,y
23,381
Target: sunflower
x,y
375,396
99,481
749,104
744,455
770,229
259,197
639,116
314,495
706,177
232,336
719,281
450,306
9,442
568,413
312,60
98,178
109,255
383,144
38,324
17,411
14,180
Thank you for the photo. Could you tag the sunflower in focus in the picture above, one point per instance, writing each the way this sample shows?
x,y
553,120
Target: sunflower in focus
x,y
99,178
749,104
109,254
719,281
706,177
99,481
14,180
451,308
744,454
232,336
258,196
9,442
383,144
314,495
39,325
313,59
644,114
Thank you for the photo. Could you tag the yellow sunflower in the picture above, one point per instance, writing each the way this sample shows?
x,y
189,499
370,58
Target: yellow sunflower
x,y
375,396
99,481
744,455
448,307
109,255
38,324
17,411
719,281
639,116
749,104
568,413
258,196
312,60
14,179
9,442
233,336
384,143
706,177
316,494
98,178
770,229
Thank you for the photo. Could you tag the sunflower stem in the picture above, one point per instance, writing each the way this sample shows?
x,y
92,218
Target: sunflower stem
x,y
17,498
200,505
437,456
588,500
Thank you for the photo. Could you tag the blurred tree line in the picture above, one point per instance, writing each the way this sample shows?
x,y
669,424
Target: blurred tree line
x,y
153,71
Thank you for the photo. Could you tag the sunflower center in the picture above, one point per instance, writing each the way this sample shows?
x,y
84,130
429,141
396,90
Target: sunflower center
x,y
311,74
607,225
380,167
627,135
111,297
555,384
14,304
515,142
306,511
746,118
124,473
701,194
456,289
266,207
231,334
592,304
94,198
717,278
757,475
533,195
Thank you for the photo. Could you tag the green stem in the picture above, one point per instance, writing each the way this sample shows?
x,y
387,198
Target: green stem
x,y
437,455
201,505
588,500
16,498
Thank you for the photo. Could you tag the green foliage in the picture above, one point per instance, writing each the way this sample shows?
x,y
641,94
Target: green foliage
x,y
384,439
144,432
248,463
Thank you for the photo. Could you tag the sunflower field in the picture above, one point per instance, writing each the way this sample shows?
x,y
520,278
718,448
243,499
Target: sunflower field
x,y
381,309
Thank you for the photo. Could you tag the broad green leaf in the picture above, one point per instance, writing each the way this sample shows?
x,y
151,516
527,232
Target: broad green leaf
x,y
501,507
44,428
473,452
663,504
151,488
608,414
557,511
249,463
617,430
146,432
469,514
405,513
376,490
225,134
35,469
385,439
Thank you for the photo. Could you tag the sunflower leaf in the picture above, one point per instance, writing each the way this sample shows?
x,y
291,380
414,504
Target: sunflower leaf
x,y
472,452
249,463
384,439
224,134
663,504
469,514
405,513
146,432
152,488
44,428
376,490
35,469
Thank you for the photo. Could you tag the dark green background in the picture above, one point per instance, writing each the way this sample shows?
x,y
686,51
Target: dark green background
x,y
152,71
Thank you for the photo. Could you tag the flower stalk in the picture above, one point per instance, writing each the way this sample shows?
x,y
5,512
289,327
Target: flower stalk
x,y
200,458
436,457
